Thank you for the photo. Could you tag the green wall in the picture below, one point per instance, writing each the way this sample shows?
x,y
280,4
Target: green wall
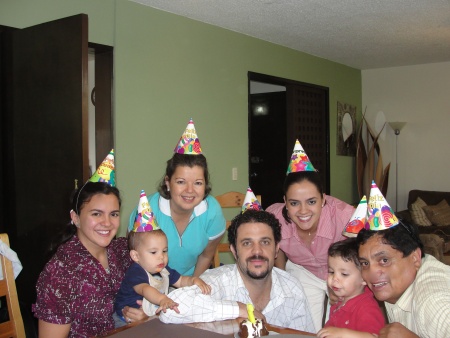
x,y
168,68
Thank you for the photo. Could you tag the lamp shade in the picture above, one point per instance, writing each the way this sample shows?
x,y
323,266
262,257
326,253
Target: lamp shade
x,y
397,125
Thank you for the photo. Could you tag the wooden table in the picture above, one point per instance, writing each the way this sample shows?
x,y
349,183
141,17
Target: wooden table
x,y
155,328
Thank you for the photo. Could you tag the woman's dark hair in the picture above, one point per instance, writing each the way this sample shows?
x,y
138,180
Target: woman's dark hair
x,y
347,249
298,177
254,216
183,160
82,196
403,237
87,191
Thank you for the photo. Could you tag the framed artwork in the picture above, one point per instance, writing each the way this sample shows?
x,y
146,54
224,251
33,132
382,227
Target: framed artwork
x,y
346,130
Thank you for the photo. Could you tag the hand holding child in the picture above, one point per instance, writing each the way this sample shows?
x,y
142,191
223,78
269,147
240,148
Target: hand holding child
x,y
333,298
206,289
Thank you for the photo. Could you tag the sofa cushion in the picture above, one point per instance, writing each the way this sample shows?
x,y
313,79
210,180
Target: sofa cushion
x,y
428,196
418,213
433,245
438,214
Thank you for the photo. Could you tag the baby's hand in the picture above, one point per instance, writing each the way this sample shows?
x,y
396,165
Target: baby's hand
x,y
205,288
167,303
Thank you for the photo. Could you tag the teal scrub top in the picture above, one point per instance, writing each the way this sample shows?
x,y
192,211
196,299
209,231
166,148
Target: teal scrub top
x,y
207,223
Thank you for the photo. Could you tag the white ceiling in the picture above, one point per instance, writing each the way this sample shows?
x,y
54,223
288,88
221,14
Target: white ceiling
x,y
363,34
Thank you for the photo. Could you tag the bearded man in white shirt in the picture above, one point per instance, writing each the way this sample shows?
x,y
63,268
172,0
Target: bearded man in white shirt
x,y
254,238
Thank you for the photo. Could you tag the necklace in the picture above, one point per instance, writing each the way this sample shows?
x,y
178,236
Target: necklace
x,y
311,232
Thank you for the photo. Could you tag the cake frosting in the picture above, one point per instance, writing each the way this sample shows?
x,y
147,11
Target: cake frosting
x,y
252,327
248,329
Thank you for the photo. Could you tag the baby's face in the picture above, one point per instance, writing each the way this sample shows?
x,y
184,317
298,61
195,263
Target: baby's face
x,y
344,278
152,252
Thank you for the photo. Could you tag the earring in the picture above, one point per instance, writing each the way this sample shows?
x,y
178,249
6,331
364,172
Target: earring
x,y
168,189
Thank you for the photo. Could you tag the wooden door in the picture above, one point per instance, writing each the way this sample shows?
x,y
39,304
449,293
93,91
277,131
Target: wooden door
x,y
309,123
299,113
46,135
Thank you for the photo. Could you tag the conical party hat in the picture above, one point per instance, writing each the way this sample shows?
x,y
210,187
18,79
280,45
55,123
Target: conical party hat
x,y
189,143
358,219
380,215
251,202
145,219
105,172
299,160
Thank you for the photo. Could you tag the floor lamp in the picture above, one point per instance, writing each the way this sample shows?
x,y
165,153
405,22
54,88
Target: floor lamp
x,y
396,126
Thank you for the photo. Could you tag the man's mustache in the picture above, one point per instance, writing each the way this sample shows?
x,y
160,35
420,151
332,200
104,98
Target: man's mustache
x,y
257,257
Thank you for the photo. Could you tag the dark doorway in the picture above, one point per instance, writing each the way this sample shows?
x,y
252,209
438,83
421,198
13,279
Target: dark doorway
x,y
268,143
44,133
278,117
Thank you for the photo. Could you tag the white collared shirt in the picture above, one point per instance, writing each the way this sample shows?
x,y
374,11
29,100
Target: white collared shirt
x,y
424,307
287,307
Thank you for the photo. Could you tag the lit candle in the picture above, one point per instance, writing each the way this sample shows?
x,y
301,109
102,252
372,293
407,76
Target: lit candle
x,y
251,316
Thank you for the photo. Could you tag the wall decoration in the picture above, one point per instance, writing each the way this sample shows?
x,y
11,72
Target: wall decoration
x,y
346,130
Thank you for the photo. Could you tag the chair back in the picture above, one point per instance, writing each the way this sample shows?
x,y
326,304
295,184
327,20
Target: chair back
x,y
13,327
231,199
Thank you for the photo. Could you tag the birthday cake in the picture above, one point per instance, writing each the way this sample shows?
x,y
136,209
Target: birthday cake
x,y
248,329
252,327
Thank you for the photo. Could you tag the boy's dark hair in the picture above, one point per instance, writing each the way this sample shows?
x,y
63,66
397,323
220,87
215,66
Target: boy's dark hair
x,y
135,238
403,237
183,160
254,216
347,249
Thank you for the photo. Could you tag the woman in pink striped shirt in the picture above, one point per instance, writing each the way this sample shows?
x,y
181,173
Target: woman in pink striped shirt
x,y
310,222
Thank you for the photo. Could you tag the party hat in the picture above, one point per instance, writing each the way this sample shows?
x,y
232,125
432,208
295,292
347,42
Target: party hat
x,y
299,160
145,219
251,202
189,143
380,215
358,219
105,172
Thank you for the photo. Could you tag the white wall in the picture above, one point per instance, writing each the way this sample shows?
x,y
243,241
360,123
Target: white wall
x,y
420,96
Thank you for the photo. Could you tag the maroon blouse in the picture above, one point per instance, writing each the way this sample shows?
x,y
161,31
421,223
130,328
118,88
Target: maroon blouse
x,y
75,289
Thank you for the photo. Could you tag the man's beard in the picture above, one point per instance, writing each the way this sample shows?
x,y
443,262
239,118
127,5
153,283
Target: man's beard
x,y
259,275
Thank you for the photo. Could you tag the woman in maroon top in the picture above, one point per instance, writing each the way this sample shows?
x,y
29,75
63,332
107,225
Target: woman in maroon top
x,y
76,289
